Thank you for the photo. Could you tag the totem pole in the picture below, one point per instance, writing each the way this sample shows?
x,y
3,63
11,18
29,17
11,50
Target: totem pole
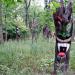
x,y
63,27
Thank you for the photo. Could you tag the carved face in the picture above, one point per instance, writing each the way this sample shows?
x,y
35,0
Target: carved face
x,y
62,20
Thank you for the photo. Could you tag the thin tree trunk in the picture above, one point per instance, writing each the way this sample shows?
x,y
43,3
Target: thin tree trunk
x,y
1,35
26,10
27,5
45,3
5,27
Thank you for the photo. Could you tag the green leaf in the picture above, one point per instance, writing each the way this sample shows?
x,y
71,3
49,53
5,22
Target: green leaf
x,y
53,5
19,0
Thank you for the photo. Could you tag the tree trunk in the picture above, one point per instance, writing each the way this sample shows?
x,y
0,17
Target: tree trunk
x,y
1,34
46,2
5,27
26,13
27,5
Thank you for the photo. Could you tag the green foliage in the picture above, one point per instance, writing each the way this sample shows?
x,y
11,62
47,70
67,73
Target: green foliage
x,y
19,0
9,3
25,58
53,6
10,19
73,6
14,12
72,62
46,18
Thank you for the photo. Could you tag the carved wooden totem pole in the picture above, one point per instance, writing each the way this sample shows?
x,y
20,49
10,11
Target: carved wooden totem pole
x,y
64,27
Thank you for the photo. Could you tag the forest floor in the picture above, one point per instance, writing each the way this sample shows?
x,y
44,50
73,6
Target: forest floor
x,y
24,58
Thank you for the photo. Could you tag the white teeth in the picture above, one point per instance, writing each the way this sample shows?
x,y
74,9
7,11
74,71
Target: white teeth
x,y
63,45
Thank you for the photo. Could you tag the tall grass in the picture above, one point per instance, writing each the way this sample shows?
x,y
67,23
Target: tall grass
x,y
24,58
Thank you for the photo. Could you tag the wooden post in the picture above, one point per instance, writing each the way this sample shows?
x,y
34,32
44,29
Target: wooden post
x,y
64,27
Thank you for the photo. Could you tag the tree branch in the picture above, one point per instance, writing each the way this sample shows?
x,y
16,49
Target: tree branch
x,y
29,4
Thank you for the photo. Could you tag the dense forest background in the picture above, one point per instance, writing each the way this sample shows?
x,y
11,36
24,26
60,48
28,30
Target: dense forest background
x,y
22,14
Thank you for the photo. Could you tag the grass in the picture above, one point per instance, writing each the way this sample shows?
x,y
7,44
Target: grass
x,y
25,58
